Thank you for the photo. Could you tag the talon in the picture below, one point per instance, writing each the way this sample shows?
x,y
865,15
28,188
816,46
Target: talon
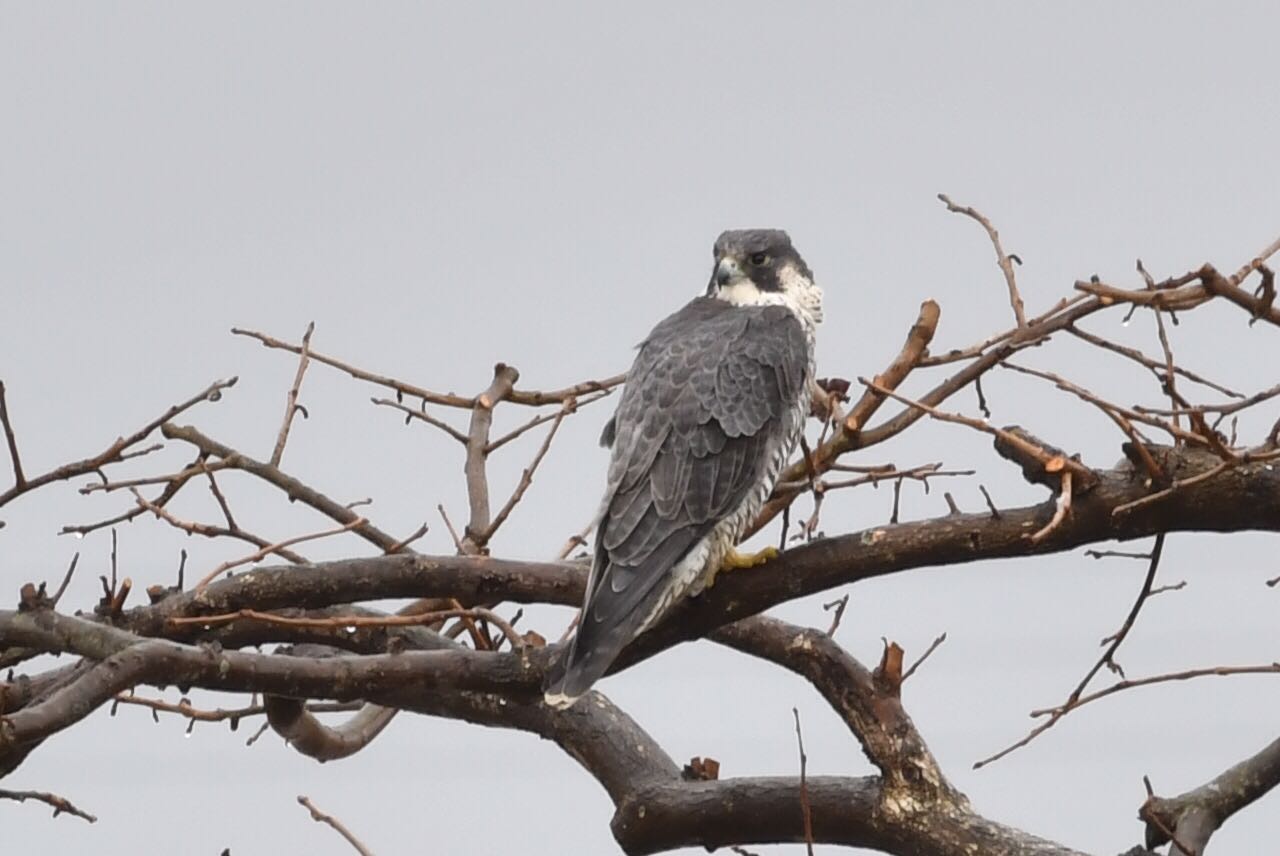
x,y
733,559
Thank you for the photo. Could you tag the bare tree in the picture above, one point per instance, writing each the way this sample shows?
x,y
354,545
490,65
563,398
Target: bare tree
x,y
456,650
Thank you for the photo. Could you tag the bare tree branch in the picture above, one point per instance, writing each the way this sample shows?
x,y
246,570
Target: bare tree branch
x,y
1002,258
1107,658
377,664
293,488
19,480
61,805
291,719
291,406
321,817
504,379
118,450
1198,813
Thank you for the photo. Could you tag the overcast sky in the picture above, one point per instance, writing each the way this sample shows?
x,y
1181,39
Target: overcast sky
x,y
440,186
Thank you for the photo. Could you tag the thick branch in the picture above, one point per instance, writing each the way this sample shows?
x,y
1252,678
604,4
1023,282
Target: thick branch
x,y
466,684
124,661
471,579
1242,498
305,732
873,713
767,810
1246,497
504,379
1218,284
1214,802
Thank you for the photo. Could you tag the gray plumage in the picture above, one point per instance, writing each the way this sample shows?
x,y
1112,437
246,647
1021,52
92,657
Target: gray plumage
x,y
711,409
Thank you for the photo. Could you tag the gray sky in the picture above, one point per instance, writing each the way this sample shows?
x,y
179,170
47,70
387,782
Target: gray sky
x,y
442,186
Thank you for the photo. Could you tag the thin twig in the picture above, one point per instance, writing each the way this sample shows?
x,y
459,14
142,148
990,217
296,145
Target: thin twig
x,y
192,528
291,406
1108,657
66,580
933,646
1110,408
200,465
276,548
578,539
401,387
804,787
448,524
539,420
417,533
119,449
61,805
1002,338
1189,674
1002,258
292,487
922,474
217,495
530,398
1143,360
113,560
1115,554
526,479
1223,409
321,817
184,708
839,606
19,480
991,506
982,399
1170,377
1030,449
1256,262
421,415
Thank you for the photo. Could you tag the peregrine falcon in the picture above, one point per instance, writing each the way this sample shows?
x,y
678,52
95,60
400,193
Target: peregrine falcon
x,y
712,408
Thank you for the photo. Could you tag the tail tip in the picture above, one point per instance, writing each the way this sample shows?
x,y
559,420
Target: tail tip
x,y
559,699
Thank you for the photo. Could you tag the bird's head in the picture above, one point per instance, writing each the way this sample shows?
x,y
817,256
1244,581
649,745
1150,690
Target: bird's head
x,y
759,266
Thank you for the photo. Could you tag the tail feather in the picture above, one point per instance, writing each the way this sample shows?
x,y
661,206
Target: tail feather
x,y
620,600
581,666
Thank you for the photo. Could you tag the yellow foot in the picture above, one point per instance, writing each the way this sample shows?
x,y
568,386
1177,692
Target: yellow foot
x,y
733,559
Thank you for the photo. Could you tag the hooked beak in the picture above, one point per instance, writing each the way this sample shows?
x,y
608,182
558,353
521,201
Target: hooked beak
x,y
727,271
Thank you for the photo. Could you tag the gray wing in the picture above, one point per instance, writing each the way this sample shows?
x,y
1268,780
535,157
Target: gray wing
x,y
711,389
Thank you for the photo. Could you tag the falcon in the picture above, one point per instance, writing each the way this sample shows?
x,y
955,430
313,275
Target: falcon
x,y
712,408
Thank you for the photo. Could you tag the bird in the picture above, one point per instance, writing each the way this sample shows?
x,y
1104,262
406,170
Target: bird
x,y
710,412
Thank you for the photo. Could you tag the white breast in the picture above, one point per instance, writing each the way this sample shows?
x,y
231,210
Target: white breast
x,y
799,294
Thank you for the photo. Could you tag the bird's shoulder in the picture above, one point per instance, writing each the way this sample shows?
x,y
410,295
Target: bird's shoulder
x,y
707,321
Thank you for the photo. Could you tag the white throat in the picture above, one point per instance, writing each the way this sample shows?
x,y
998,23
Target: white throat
x,y
798,293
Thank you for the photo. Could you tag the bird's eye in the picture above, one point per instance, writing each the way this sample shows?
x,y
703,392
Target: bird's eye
x,y
759,259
